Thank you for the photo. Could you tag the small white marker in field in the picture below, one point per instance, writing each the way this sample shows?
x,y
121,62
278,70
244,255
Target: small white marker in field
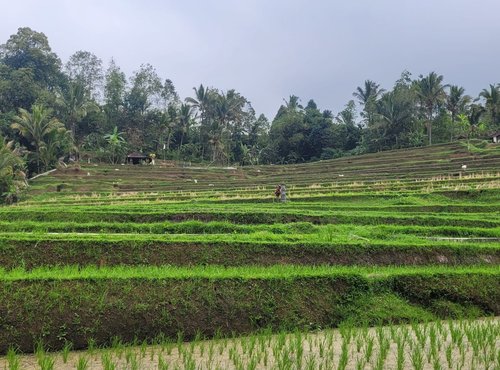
x,y
195,181
464,167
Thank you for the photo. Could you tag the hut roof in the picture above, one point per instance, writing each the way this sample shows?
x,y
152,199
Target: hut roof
x,y
137,155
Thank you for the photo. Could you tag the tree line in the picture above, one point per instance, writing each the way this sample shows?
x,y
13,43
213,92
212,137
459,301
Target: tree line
x,y
50,111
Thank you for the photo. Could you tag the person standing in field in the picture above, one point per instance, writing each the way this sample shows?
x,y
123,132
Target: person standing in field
x,y
283,193
277,192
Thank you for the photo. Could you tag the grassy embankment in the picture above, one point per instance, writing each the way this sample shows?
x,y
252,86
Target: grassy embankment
x,y
101,252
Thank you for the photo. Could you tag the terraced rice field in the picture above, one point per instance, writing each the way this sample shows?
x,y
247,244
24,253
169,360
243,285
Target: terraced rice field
x,y
436,345
97,254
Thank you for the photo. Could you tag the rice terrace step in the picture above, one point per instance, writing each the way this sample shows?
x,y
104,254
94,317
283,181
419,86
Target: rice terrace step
x,y
94,256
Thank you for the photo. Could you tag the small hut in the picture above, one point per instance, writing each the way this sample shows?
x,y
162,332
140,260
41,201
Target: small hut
x,y
137,158
496,137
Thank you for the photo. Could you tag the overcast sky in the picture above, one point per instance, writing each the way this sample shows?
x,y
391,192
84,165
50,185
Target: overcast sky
x,y
270,49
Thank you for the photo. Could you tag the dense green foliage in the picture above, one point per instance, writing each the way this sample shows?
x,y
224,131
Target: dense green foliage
x,y
80,110
110,253
12,178
262,250
142,303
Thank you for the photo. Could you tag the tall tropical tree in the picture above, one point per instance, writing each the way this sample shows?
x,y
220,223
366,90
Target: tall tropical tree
x,y
347,116
12,178
114,92
492,105
36,126
349,133
76,104
226,113
456,101
367,97
169,94
30,50
9,157
201,101
430,91
169,121
474,115
394,115
86,69
55,143
145,92
185,116
292,105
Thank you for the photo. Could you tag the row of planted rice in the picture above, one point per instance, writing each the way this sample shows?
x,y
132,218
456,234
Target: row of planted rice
x,y
440,162
89,263
437,345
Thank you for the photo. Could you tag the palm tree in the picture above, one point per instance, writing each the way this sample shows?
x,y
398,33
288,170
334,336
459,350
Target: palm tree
x,y
9,157
200,94
11,176
292,105
36,126
55,142
456,101
347,116
185,115
169,120
201,101
10,163
227,114
394,113
76,104
217,148
474,117
430,91
219,127
223,110
492,97
367,97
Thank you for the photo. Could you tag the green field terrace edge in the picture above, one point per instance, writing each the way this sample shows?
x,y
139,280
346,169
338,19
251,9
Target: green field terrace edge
x,y
265,195
87,297
248,215
483,199
43,252
75,305
481,192
331,236
75,272
218,227
415,163
330,187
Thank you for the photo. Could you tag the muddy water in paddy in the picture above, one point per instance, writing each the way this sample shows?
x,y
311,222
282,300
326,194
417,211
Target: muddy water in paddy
x,y
466,344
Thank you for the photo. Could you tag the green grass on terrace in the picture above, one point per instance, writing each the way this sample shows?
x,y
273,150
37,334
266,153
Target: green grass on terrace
x,y
418,163
216,227
218,272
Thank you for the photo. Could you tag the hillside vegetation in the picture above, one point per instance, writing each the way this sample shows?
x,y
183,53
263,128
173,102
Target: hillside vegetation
x,y
98,252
